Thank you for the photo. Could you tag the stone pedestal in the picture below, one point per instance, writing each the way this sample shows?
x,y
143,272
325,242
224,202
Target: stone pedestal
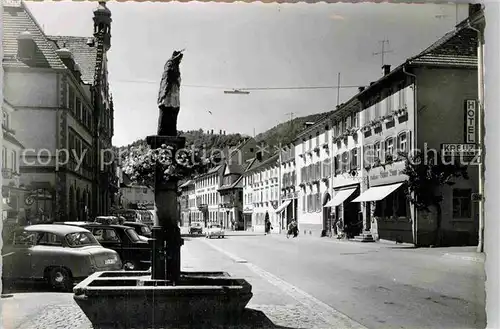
x,y
166,240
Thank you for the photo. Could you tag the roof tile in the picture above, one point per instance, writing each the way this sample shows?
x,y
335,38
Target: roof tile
x,y
83,54
17,19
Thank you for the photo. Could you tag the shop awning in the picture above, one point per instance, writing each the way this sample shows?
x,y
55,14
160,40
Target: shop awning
x,y
377,193
340,197
283,206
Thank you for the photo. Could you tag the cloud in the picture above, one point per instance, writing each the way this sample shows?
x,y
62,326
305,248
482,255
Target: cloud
x,y
337,17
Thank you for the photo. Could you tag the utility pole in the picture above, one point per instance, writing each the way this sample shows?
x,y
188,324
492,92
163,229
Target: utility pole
x,y
383,51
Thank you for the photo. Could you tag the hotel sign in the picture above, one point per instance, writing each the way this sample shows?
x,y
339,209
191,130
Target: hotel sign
x,y
470,121
468,150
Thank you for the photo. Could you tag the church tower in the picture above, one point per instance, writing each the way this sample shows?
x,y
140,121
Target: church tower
x,y
102,24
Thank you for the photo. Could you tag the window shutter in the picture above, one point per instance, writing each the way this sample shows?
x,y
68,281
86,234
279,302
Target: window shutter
x,y
409,144
358,158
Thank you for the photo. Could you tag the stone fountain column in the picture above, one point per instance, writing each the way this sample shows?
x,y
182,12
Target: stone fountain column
x,y
166,241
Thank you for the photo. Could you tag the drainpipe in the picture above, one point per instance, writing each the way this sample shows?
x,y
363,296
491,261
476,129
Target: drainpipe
x,y
480,97
415,147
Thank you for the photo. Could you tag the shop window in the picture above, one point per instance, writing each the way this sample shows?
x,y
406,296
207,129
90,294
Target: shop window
x,y
462,203
401,203
379,208
389,205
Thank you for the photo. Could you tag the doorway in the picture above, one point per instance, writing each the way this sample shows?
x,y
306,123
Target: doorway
x,y
353,222
327,218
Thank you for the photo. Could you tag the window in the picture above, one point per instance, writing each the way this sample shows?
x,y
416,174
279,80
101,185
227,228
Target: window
x,y
348,122
355,118
377,151
368,114
145,190
71,99
345,161
402,97
50,239
106,235
303,145
389,146
326,134
4,157
388,104
81,239
402,143
354,159
23,238
5,120
13,161
462,203
377,110
132,234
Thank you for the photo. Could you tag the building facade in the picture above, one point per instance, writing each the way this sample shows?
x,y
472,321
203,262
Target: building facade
x,y
313,167
207,197
417,107
58,119
287,210
13,193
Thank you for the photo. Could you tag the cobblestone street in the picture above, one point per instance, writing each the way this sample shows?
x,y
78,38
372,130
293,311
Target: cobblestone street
x,y
277,303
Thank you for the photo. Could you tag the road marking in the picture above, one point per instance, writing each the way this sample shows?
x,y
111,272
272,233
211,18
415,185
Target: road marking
x,y
333,317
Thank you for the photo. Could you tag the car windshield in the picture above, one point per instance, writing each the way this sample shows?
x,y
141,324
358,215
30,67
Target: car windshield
x,y
145,230
132,235
81,239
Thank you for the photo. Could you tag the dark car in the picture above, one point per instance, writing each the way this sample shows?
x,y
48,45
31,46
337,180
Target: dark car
x,y
196,228
140,228
134,252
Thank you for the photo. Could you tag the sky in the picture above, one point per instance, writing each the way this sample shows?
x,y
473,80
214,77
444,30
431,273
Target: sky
x,y
241,45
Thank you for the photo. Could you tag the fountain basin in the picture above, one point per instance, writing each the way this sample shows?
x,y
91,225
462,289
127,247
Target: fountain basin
x,y
131,299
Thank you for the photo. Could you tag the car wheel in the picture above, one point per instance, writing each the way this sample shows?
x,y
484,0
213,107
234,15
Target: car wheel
x,y
60,278
129,265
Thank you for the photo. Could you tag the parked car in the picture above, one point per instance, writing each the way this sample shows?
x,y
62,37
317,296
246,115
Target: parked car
x,y
214,230
134,252
140,228
60,254
196,228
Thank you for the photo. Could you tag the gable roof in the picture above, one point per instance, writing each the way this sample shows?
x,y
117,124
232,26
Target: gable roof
x,y
455,48
262,164
84,55
16,19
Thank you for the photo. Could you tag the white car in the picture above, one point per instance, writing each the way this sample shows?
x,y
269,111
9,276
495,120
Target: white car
x,y
214,230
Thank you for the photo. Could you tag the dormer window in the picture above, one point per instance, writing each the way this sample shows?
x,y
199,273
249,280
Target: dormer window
x,y
26,46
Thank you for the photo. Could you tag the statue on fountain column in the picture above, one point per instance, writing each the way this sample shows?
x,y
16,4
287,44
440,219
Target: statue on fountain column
x,y
169,96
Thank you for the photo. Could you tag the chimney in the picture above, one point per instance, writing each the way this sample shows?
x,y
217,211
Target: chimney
x,y
224,133
386,69
220,132
212,132
360,89
258,156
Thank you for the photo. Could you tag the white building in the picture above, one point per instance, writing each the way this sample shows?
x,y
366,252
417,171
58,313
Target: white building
x,y
261,194
207,196
313,167
287,210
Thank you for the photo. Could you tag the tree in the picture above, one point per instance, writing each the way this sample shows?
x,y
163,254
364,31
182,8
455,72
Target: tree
x,y
426,175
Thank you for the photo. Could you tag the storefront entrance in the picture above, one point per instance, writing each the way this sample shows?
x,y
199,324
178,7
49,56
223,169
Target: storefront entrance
x,y
327,218
353,219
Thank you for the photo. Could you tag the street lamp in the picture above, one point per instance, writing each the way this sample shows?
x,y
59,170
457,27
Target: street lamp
x,y
236,92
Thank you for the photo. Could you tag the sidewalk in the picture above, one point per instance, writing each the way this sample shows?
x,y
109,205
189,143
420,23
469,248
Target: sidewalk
x,y
467,253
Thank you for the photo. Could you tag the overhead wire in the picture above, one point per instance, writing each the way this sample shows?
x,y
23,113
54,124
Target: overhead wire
x,y
244,89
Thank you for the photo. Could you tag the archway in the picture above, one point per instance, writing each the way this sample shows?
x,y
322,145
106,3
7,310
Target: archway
x,y
327,218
